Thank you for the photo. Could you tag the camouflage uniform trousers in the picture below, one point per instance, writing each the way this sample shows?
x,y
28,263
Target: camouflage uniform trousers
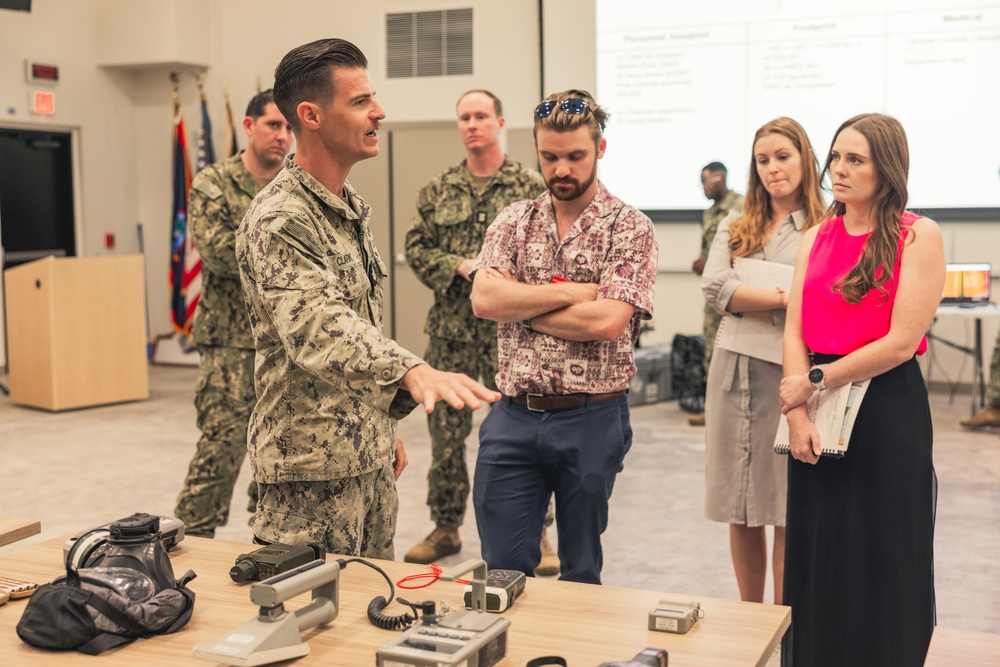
x,y
448,477
993,386
351,516
224,398
710,328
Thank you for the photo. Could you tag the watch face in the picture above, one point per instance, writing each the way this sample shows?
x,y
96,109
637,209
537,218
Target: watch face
x,y
816,375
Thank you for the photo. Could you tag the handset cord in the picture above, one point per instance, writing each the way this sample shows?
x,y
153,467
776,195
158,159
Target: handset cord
x,y
375,607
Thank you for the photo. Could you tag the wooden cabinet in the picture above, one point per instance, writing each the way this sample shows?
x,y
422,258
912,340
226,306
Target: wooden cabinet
x,y
76,333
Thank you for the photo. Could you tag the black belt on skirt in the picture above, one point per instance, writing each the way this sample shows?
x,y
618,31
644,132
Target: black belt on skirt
x,y
557,402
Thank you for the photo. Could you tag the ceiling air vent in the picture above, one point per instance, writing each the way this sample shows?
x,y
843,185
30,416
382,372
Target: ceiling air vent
x,y
432,43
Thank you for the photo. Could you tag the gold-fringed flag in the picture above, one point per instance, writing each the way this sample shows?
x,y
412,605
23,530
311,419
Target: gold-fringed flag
x,y
206,150
232,146
185,264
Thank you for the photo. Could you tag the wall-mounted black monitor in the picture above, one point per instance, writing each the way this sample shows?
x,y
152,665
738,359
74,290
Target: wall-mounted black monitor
x,y
17,5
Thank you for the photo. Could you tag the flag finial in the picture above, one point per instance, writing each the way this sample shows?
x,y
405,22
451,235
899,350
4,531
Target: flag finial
x,y
175,95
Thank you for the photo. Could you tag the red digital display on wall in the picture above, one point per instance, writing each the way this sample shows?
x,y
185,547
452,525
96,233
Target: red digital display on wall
x,y
41,72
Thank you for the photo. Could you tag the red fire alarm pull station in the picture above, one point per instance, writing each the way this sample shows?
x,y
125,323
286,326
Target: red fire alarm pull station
x,y
109,240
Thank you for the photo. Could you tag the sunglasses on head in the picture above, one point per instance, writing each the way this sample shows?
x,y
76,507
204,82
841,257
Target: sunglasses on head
x,y
572,105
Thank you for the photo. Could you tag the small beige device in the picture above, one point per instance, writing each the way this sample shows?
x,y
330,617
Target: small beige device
x,y
674,616
456,638
274,635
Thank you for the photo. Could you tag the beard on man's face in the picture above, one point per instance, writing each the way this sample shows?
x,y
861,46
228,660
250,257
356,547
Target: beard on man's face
x,y
568,189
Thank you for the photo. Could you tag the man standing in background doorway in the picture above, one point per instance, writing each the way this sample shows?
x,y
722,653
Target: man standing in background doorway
x,y
453,212
724,200
224,396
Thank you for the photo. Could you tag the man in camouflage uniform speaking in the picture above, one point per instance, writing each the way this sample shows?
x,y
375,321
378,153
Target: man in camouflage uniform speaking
x,y
453,212
330,387
220,196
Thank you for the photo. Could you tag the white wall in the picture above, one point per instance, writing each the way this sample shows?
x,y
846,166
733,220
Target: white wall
x,y
88,102
123,114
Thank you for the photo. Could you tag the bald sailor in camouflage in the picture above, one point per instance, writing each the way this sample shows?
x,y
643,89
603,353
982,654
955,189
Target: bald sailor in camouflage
x,y
220,196
330,386
453,212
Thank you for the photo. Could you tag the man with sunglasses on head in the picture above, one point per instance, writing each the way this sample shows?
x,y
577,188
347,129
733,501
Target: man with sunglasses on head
x,y
453,212
569,277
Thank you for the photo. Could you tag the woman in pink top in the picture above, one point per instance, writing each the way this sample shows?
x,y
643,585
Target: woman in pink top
x,y
860,530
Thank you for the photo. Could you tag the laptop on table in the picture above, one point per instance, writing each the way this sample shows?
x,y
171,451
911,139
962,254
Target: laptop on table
x,y
967,284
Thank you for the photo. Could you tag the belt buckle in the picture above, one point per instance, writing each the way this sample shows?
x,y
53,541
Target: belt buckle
x,y
527,402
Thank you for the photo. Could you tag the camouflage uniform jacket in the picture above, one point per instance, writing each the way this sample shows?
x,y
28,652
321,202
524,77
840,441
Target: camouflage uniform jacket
x,y
449,227
220,196
713,215
611,244
327,380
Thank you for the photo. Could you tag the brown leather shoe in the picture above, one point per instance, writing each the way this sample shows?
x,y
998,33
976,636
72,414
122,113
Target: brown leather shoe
x,y
697,420
441,542
549,565
989,416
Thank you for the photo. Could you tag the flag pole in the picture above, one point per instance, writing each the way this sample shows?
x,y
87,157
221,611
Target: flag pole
x,y
175,95
232,148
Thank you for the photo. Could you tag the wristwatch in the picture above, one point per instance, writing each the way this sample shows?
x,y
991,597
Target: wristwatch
x,y
818,377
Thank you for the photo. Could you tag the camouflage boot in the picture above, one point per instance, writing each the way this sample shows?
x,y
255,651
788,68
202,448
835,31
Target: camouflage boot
x,y
549,565
990,416
442,541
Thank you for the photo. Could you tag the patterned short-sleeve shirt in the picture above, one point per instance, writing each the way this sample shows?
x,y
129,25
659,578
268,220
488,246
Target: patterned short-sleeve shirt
x,y
611,244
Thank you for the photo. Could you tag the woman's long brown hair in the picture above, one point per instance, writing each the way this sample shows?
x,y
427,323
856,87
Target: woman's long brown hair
x,y
890,155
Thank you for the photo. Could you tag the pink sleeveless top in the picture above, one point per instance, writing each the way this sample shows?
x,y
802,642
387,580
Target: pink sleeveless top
x,y
830,325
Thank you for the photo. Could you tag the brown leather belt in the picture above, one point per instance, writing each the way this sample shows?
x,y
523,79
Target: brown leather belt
x,y
554,403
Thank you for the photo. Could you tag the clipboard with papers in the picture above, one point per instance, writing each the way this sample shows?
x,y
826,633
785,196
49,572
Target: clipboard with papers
x,y
757,334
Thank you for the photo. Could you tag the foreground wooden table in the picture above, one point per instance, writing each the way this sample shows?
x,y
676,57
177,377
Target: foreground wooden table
x,y
13,529
585,624
962,648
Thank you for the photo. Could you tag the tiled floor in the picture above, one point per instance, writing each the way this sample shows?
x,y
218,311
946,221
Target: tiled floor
x,y
80,468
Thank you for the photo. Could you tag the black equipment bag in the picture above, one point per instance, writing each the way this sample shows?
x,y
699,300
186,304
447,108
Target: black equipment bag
x,y
687,366
89,610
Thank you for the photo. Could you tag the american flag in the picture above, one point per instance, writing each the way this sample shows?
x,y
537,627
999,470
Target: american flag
x,y
206,151
185,264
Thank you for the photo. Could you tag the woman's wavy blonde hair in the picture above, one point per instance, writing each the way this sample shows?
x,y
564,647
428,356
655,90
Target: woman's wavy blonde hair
x,y
747,232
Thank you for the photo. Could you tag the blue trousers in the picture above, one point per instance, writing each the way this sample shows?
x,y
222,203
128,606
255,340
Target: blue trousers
x,y
525,457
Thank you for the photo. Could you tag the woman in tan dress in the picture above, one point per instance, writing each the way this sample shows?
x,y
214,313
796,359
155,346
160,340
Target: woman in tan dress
x,y
745,479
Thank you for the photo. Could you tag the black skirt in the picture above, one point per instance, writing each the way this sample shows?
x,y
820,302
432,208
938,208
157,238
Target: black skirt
x,y
859,541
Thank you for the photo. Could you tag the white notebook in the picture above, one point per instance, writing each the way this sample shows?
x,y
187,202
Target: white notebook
x,y
833,412
757,334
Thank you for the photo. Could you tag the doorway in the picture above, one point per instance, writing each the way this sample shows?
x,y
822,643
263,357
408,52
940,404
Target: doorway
x,y
37,211
37,216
